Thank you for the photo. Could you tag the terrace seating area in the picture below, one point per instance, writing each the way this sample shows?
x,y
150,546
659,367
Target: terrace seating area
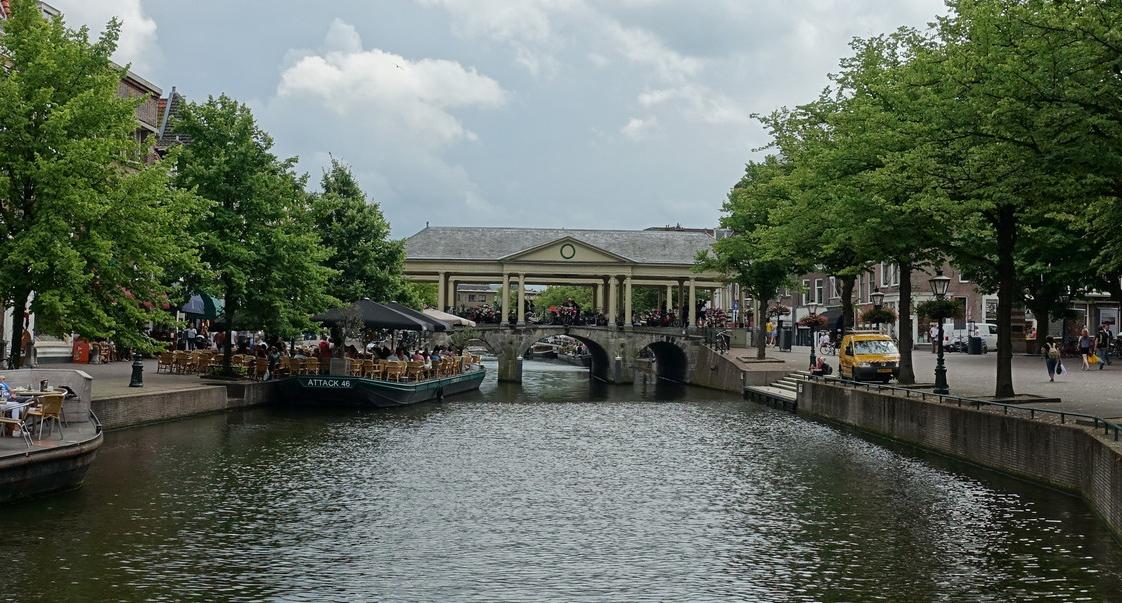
x,y
206,362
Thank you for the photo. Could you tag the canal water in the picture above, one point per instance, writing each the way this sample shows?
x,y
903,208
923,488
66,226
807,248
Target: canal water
x,y
556,490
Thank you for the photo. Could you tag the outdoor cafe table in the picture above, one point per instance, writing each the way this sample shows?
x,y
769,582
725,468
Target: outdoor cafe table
x,y
34,393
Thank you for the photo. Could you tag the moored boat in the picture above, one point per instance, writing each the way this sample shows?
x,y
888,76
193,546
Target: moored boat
x,y
360,391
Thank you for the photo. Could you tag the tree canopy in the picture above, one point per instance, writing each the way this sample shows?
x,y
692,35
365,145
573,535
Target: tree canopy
x,y
89,232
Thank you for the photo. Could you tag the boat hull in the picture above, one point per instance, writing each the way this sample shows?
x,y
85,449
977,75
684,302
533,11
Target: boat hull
x,y
41,472
358,391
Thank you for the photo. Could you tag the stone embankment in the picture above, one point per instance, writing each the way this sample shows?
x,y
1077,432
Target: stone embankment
x,y
1069,456
132,409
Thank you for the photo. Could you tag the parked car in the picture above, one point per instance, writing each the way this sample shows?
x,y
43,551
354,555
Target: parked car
x,y
868,357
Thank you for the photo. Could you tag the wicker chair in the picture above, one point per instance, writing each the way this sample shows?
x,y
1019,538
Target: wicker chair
x,y
394,370
49,409
165,362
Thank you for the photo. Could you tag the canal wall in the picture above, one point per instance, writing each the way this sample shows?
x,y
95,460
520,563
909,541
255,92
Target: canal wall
x,y
718,371
131,410
1065,456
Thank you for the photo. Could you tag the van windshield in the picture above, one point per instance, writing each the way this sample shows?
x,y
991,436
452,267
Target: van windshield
x,y
861,348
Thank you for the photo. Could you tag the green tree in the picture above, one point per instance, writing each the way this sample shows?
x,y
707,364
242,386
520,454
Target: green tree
x,y
747,257
367,262
259,238
88,235
555,295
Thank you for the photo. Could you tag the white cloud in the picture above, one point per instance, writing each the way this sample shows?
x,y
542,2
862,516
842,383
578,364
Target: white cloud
x,y
638,128
138,43
644,48
385,87
701,103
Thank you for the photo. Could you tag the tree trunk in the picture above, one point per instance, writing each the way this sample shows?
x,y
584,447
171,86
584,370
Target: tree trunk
x,y
847,300
19,307
761,324
907,373
1006,291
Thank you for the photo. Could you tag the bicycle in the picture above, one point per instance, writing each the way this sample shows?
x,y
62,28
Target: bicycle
x,y
721,342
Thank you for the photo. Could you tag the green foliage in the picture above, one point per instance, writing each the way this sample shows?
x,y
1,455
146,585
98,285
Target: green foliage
x,y
418,295
555,295
259,238
367,263
93,234
940,309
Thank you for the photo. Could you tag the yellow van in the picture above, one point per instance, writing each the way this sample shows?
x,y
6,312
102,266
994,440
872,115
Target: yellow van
x,y
868,357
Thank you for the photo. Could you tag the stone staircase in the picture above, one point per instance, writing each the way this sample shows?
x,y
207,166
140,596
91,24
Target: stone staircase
x,y
782,393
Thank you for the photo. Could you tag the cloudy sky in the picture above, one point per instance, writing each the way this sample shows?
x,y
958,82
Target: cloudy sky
x,y
558,113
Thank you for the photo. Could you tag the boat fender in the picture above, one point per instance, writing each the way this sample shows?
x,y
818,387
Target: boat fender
x,y
440,393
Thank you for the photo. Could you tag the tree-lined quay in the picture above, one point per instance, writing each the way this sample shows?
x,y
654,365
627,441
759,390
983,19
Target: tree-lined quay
x,y
101,235
993,140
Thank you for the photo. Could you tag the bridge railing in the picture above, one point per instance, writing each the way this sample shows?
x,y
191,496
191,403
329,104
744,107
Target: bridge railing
x,y
1109,427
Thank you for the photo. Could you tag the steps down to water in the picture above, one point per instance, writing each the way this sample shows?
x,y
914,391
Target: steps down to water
x,y
782,393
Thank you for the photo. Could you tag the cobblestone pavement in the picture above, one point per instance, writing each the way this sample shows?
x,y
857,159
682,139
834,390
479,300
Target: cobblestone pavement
x,y
1093,392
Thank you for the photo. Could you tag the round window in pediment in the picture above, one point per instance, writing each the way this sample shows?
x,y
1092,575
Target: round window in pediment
x,y
568,251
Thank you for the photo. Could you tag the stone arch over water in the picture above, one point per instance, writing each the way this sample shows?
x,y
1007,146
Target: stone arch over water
x,y
671,362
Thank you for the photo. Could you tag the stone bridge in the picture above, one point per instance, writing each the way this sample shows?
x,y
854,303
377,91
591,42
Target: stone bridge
x,y
615,352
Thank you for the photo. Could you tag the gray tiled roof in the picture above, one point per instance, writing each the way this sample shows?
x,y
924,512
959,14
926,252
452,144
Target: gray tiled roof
x,y
486,243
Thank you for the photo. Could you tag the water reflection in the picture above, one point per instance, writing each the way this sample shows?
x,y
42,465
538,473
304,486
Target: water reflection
x,y
535,493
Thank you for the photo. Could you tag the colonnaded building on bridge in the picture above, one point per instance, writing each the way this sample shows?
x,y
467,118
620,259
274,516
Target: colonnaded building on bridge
x,y
612,262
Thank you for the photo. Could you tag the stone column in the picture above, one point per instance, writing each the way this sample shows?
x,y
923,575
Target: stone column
x,y
627,302
505,292
442,292
598,297
613,300
693,303
670,298
521,299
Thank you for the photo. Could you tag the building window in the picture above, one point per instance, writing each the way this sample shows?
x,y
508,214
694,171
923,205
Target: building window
x,y
471,297
889,275
819,293
806,291
962,279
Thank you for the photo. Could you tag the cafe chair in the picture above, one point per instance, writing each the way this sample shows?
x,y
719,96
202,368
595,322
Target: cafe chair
x,y
49,409
20,426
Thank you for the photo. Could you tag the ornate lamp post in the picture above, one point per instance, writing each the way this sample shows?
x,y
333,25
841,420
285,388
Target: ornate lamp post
x,y
813,307
878,299
939,286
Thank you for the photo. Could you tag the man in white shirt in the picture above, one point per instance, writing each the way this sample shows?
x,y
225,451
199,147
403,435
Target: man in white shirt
x,y
934,338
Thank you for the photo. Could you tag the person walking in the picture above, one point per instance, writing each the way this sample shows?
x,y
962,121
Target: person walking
x,y
770,333
1051,354
1086,347
933,334
1102,345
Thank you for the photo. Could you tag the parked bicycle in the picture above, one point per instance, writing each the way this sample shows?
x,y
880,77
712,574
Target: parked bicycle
x,y
721,341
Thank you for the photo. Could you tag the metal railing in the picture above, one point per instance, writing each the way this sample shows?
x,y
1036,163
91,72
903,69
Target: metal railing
x,y
1108,427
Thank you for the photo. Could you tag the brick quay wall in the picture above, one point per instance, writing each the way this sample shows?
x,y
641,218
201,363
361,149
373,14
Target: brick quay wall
x,y
1066,456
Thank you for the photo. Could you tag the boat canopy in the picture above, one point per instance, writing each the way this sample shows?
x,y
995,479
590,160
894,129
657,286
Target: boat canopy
x,y
379,316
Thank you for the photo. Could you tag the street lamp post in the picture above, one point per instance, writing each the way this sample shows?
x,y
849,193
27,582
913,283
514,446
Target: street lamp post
x,y
813,307
878,299
939,286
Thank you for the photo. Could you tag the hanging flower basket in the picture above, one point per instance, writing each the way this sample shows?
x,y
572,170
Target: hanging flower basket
x,y
940,309
878,315
813,321
778,310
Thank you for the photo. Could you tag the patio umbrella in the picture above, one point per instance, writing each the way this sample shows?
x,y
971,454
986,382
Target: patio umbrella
x,y
448,318
203,306
375,316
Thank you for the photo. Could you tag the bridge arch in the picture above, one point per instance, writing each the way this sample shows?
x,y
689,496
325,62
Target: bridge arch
x,y
601,364
671,361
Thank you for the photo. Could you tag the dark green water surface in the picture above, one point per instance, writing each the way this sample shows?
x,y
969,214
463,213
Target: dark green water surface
x,y
556,490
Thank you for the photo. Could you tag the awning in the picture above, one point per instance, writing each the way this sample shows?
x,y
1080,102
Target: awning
x,y
203,306
448,318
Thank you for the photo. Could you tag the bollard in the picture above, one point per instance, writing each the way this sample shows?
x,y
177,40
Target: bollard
x,y
137,372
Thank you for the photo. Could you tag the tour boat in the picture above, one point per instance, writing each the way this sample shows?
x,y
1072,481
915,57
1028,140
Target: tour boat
x,y
361,391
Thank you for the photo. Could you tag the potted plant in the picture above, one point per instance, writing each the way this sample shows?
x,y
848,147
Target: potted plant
x,y
878,315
